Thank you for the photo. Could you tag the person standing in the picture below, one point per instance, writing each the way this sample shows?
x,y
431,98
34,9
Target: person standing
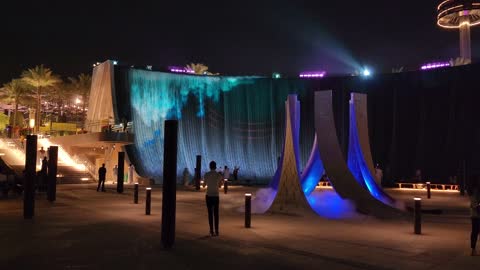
x,y
226,173
213,181
131,169
115,173
474,193
102,172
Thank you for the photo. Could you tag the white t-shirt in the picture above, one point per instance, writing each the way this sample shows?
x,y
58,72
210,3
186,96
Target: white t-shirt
x,y
212,179
226,173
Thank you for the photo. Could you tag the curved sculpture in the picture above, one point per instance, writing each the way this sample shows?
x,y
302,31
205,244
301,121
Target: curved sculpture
x,y
313,172
340,177
360,160
289,197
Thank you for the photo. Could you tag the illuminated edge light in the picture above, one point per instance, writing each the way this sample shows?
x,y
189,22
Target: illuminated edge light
x,y
313,74
435,65
417,199
180,70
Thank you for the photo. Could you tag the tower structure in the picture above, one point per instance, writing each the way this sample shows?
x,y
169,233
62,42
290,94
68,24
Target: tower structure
x,y
461,14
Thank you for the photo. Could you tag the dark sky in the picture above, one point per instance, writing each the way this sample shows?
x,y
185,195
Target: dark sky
x,y
231,37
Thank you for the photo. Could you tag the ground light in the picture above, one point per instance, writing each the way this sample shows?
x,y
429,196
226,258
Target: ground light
x,y
276,75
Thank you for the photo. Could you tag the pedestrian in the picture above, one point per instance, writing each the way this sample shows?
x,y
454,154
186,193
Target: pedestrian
x,y
226,173
43,174
213,181
235,172
102,172
115,173
131,169
186,177
42,154
474,193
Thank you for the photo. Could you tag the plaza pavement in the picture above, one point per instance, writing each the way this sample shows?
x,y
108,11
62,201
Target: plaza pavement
x,y
85,229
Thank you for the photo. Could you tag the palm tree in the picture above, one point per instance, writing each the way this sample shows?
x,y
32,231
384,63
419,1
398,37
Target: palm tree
x,y
81,86
199,69
15,91
39,77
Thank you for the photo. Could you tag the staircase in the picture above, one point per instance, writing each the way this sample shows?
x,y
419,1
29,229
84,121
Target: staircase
x,y
71,175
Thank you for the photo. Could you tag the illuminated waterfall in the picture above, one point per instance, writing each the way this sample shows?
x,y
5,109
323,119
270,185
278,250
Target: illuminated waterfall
x,y
236,121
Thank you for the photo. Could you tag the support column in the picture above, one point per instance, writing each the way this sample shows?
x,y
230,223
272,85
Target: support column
x,y
52,173
169,182
121,171
198,172
465,43
30,177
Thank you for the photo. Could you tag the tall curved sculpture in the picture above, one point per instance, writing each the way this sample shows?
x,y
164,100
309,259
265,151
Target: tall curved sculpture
x,y
289,197
360,160
339,174
313,171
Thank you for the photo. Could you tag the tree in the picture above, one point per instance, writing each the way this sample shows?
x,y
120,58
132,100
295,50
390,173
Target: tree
x,y
16,92
199,69
39,77
81,86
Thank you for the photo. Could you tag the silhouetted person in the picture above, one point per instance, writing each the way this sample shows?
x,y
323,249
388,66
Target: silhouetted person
x,y
213,180
102,172
235,172
474,193
43,174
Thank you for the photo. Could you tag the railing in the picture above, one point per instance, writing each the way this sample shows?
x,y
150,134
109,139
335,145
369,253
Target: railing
x,y
89,166
424,186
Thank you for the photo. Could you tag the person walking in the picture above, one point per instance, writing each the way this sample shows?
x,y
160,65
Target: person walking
x,y
102,172
213,180
474,193
226,173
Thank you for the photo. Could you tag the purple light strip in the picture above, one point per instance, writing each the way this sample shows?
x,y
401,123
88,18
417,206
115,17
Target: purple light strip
x,y
435,65
313,74
180,70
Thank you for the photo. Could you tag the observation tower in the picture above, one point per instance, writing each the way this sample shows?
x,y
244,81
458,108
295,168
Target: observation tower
x,y
461,14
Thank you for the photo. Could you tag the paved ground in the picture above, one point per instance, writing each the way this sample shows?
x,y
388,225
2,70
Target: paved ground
x,y
89,230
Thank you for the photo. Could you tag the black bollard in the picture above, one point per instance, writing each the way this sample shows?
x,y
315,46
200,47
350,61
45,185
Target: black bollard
x,y
418,215
121,169
429,195
225,186
148,201
52,173
248,209
135,194
169,182
463,178
30,177
198,172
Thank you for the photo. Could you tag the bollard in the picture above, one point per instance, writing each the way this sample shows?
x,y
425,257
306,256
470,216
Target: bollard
x,y
248,209
30,177
225,186
198,171
52,173
135,194
428,191
169,190
120,174
148,201
418,215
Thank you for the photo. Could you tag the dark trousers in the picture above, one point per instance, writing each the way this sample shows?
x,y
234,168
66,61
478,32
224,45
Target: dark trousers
x,y
101,182
212,207
475,231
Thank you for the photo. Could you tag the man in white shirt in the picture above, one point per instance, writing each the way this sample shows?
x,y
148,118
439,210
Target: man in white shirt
x,y
213,181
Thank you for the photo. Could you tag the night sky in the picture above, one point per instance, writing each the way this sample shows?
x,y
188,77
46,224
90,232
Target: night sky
x,y
231,37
